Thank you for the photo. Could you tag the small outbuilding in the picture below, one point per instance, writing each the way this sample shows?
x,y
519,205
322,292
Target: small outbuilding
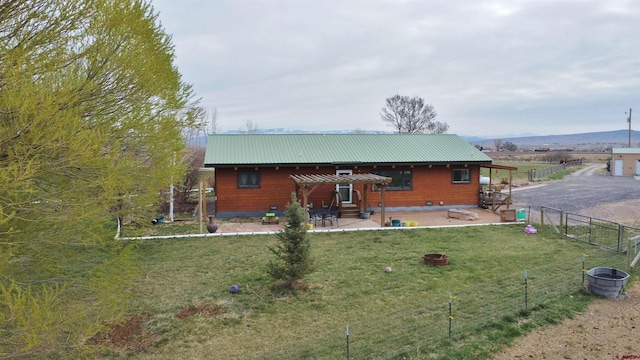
x,y
625,162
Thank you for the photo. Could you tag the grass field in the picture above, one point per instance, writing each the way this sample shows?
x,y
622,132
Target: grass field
x,y
589,157
520,175
187,312
524,163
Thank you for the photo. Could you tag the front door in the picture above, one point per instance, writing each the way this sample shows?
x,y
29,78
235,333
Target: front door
x,y
617,168
345,190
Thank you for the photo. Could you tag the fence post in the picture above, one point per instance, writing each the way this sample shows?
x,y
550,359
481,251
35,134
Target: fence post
x,y
562,223
620,237
541,216
629,254
348,355
451,297
584,271
526,292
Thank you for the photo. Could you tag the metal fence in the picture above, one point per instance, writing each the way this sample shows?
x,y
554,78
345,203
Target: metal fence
x,y
537,174
450,322
550,216
606,234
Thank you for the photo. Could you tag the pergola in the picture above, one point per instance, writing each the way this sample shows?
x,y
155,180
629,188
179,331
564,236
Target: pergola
x,y
309,182
501,167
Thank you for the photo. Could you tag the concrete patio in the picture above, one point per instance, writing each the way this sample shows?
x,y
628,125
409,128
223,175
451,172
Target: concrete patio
x,y
432,218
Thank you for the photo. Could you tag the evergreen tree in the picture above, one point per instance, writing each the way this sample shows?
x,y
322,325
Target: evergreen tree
x,y
292,251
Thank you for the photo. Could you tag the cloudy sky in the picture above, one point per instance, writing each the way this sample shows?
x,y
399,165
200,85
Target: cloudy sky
x,y
489,68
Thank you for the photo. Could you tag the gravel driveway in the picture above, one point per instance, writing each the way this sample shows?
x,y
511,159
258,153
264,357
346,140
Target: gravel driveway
x,y
579,192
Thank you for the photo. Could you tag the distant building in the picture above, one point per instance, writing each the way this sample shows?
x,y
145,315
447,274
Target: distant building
x,y
625,162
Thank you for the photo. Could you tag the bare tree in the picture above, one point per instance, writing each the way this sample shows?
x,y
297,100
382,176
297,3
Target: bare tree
x,y
509,146
440,127
250,127
212,116
194,159
411,115
497,143
557,157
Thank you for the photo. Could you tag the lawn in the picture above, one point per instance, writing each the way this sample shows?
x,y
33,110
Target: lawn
x,y
522,174
187,311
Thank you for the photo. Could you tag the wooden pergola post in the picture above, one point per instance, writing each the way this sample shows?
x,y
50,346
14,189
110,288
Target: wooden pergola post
x,y
201,203
306,191
510,182
365,198
305,196
493,194
382,187
203,177
308,183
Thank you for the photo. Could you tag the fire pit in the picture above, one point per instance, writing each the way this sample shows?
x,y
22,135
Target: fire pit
x,y
436,259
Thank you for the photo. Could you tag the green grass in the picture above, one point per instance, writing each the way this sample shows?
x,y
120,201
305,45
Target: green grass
x,y
561,174
522,174
399,315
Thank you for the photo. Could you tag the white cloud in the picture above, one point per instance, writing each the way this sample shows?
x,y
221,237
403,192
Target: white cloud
x,y
490,68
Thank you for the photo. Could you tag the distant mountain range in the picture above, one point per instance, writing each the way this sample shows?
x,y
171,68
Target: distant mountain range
x,y
583,141
596,141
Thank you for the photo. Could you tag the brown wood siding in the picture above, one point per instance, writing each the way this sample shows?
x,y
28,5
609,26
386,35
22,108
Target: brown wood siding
x,y
428,184
275,189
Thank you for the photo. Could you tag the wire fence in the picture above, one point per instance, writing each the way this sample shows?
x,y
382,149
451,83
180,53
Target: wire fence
x,y
454,320
537,174
461,317
620,238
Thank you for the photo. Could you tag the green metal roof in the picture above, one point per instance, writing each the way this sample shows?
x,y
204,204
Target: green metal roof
x,y
625,150
335,149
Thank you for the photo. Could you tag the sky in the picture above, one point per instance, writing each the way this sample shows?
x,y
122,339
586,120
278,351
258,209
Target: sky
x,y
489,68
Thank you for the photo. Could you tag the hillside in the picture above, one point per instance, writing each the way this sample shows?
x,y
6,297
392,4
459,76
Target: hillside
x,y
593,141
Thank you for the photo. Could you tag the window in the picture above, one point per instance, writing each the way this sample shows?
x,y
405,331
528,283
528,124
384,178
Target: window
x,y
401,179
461,176
248,179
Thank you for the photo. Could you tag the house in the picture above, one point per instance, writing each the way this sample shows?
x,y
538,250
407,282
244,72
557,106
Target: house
x,y
625,162
255,173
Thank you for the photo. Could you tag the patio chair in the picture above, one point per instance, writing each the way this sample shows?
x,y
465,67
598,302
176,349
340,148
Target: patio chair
x,y
331,217
314,216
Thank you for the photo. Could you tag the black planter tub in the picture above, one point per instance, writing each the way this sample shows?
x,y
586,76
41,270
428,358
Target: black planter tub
x,y
607,282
